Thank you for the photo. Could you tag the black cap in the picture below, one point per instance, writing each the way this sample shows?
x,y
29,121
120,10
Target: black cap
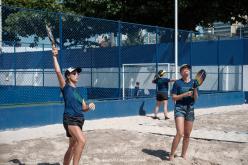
x,y
185,66
161,73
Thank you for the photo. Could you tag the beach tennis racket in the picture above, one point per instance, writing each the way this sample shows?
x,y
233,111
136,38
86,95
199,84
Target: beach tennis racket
x,y
50,34
199,78
156,77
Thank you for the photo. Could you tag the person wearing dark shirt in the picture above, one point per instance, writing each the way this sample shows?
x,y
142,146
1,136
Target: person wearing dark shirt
x,y
75,105
184,94
162,93
137,89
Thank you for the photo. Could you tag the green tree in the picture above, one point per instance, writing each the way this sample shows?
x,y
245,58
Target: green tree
x,y
150,12
78,30
20,23
47,5
161,12
201,12
25,23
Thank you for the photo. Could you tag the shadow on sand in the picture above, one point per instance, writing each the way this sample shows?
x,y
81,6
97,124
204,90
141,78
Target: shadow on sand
x,y
162,154
18,162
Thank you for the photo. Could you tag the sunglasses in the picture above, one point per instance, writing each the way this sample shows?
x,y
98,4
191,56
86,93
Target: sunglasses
x,y
74,73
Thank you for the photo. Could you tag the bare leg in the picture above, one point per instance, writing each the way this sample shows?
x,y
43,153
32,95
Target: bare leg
x,y
188,125
80,140
156,109
180,132
165,102
69,153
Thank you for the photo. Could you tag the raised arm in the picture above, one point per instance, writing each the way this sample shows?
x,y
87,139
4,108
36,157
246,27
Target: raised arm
x,y
57,68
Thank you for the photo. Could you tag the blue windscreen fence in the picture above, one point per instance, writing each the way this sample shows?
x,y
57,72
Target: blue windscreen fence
x,y
114,57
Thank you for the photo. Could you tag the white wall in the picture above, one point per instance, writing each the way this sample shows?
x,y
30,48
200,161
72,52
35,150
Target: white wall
x,y
109,77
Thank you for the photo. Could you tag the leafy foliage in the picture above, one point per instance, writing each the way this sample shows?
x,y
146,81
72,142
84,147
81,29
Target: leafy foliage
x,y
77,30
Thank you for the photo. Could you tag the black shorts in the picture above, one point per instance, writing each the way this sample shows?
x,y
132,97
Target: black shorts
x,y
69,120
162,96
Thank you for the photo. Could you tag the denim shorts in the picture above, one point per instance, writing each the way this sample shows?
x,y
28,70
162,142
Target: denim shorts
x,y
186,111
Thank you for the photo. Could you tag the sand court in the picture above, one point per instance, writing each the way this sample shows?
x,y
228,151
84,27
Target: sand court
x,y
220,136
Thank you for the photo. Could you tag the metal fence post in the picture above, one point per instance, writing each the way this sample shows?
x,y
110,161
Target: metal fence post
x,y
43,69
190,55
157,49
218,63
91,68
60,46
240,32
119,58
15,63
60,35
61,41
242,65
157,53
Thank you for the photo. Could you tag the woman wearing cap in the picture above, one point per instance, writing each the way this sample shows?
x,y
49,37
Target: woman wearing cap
x,y
73,117
184,95
162,93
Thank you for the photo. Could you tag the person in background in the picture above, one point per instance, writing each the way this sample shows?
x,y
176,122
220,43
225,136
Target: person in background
x,y
162,93
137,89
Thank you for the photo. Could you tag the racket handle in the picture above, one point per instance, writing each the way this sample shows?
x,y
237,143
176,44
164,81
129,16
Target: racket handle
x,y
195,84
155,78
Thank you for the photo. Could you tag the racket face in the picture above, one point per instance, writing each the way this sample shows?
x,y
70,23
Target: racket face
x,y
200,77
50,35
155,77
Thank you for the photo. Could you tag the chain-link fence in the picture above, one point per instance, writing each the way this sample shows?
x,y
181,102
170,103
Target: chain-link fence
x,y
118,59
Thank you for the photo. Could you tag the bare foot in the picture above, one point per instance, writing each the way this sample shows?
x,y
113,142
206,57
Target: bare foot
x,y
171,158
184,157
166,116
